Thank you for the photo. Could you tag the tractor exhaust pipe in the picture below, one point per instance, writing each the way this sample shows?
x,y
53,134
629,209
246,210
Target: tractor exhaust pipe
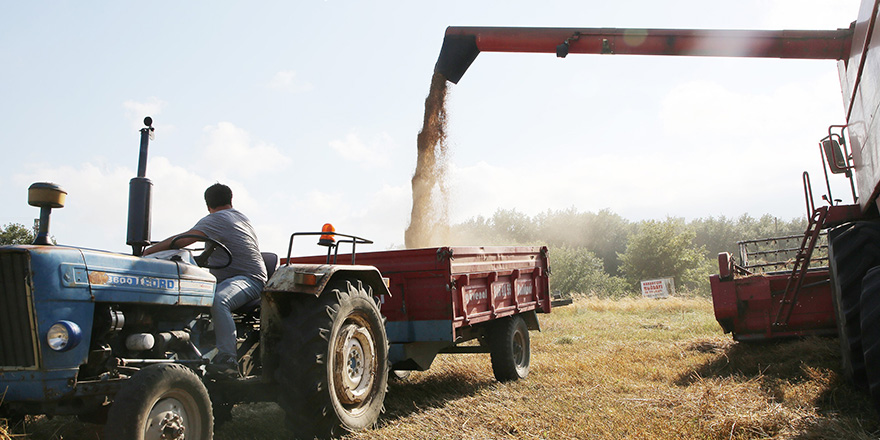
x,y
140,197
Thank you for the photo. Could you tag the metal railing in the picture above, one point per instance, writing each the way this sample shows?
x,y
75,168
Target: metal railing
x,y
779,253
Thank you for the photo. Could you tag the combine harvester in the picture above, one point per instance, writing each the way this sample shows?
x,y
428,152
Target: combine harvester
x,y
842,298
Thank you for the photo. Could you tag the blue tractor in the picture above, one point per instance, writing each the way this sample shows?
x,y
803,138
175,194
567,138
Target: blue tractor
x,y
123,339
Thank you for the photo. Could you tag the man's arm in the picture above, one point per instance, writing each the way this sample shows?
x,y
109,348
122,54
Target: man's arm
x,y
166,243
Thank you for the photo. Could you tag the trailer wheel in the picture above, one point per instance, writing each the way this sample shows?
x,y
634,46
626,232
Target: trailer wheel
x,y
333,362
163,401
853,251
509,349
870,315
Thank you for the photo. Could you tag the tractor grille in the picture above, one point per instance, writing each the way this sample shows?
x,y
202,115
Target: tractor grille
x,y
16,338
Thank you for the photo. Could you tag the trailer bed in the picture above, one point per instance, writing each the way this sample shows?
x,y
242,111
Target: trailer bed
x,y
438,294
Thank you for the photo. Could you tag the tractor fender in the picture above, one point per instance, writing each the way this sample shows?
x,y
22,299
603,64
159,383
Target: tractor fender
x,y
297,278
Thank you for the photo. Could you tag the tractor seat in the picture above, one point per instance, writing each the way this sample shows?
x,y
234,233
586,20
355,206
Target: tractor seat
x,y
270,260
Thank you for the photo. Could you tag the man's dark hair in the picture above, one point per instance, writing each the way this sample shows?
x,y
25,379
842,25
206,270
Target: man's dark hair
x,y
218,194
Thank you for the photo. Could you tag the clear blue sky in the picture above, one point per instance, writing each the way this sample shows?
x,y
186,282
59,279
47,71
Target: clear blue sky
x,y
309,110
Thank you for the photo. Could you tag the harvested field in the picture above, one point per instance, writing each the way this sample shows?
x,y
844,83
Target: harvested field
x,y
602,369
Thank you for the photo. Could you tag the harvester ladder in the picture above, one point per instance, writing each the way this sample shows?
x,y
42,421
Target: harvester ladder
x,y
801,265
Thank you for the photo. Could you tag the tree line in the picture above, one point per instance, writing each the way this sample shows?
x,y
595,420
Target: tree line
x,y
603,254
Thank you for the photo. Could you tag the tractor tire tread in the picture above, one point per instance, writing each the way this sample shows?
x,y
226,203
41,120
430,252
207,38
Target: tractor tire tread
x,y
853,251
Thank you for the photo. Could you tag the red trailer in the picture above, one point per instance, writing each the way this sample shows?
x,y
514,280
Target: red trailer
x,y
442,297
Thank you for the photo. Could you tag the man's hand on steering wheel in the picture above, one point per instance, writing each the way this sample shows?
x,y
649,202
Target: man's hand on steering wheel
x,y
210,246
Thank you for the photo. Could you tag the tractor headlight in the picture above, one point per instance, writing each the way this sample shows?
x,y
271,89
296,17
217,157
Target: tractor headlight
x,y
63,335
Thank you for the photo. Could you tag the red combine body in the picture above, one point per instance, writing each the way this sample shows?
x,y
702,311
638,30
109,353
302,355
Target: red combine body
x,y
441,297
749,302
796,300
748,307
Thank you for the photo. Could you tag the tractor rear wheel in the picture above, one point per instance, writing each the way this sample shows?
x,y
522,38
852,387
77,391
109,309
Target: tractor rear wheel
x,y
853,250
509,349
333,362
163,401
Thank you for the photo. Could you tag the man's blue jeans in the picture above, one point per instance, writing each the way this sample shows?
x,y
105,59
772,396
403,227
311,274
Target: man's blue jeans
x,y
231,294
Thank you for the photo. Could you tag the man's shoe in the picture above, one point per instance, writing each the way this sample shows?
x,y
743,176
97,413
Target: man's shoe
x,y
223,366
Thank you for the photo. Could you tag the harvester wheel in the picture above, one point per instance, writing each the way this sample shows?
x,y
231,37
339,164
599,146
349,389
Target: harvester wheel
x,y
163,401
853,251
509,349
870,305
333,362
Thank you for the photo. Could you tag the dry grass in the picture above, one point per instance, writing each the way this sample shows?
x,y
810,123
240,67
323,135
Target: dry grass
x,y
629,369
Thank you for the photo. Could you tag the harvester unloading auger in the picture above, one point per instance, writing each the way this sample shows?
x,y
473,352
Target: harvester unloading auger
x,y
461,45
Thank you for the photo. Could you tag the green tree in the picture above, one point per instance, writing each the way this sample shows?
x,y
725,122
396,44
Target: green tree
x,y
664,249
716,235
476,231
603,233
579,271
515,226
608,234
506,227
15,233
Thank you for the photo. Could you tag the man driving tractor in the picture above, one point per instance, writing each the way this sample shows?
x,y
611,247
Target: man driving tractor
x,y
240,282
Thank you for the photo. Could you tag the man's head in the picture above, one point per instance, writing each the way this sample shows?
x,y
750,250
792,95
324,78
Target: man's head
x,y
218,195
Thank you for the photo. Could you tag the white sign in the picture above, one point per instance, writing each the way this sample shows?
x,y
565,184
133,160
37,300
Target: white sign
x,y
659,288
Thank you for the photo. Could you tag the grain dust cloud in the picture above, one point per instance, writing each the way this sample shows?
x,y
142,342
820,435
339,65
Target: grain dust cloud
x,y
429,221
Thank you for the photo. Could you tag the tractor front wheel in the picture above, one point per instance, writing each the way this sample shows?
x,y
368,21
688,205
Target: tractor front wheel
x,y
163,401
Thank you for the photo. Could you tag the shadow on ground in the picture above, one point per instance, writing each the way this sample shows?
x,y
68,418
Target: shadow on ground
x,y
430,390
779,366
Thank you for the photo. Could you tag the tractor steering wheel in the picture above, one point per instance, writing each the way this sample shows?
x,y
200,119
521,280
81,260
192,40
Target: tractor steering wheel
x,y
210,246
